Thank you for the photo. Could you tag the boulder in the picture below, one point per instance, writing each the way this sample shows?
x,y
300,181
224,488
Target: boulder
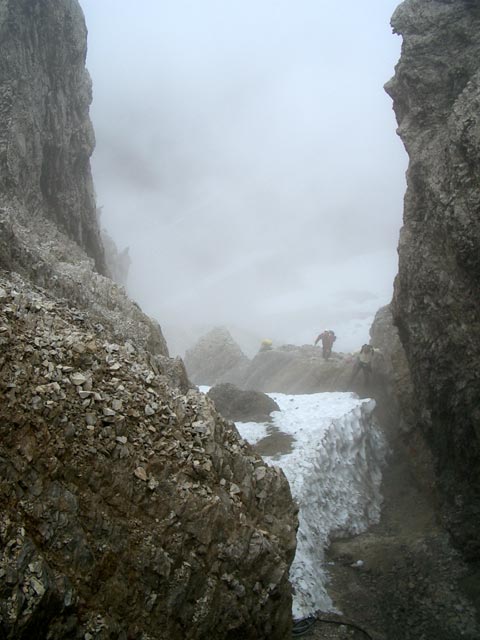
x,y
242,406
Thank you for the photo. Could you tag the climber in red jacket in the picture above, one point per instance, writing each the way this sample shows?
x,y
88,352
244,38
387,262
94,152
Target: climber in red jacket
x,y
328,337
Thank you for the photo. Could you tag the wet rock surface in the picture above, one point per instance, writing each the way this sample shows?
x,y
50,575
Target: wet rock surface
x,y
128,509
436,97
403,579
242,406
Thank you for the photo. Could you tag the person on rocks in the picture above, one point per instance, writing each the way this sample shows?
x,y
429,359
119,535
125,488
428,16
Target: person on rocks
x,y
363,362
328,337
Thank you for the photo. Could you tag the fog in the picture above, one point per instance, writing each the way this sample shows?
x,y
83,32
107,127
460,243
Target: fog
x,y
247,156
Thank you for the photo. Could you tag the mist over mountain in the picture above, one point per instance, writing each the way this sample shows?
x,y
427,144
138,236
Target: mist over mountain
x,y
252,166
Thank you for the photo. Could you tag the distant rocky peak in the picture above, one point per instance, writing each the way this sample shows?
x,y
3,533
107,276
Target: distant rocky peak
x,y
216,358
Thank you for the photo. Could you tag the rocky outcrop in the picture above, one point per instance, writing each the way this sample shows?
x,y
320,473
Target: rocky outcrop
x,y
216,358
48,225
46,137
118,262
242,406
297,369
127,509
436,305
42,253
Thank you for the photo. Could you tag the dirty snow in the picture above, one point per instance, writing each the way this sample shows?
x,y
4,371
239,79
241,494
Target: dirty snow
x,y
334,472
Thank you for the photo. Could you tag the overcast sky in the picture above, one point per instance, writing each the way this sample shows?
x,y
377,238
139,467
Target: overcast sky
x,y
247,155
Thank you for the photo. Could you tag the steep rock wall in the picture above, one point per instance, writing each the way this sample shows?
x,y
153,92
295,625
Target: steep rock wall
x,y
394,381
46,137
436,305
49,230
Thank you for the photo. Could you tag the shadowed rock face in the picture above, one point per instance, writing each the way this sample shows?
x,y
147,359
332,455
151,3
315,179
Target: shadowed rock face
x,y
46,137
394,378
436,305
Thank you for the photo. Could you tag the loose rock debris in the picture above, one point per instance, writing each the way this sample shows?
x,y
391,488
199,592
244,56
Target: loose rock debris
x,y
121,495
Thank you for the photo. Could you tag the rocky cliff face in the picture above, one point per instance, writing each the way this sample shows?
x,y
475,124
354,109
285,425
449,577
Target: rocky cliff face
x,y
394,381
48,224
46,137
128,507
436,306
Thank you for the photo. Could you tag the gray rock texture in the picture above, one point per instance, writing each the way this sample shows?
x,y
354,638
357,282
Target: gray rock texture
x,y
46,137
242,405
394,394
216,358
392,378
297,369
436,305
48,225
127,509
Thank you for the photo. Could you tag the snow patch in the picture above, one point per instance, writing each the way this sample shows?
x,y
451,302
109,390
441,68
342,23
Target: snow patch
x,y
334,472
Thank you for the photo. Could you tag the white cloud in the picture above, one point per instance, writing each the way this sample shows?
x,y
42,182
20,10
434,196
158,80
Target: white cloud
x,y
247,155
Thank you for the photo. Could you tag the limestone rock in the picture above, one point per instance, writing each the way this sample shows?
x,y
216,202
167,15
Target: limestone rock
x,y
244,406
436,98
216,358
174,370
121,522
392,371
125,499
118,262
297,369
45,130
48,226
